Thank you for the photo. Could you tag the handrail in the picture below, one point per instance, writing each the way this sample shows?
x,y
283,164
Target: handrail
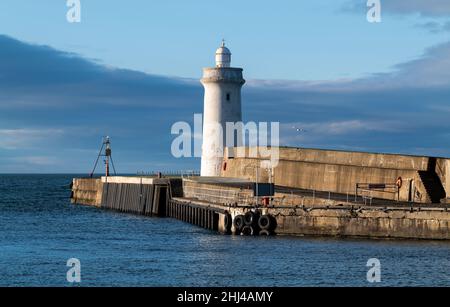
x,y
377,187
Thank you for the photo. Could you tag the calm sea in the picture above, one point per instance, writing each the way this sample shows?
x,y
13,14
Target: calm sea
x,y
40,230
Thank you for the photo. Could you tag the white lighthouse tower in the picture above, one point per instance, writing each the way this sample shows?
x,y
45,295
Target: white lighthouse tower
x,y
222,104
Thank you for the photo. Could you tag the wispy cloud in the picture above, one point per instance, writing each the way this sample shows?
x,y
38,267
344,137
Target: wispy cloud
x,y
25,138
433,14
37,160
343,127
339,133
405,7
422,7
434,27
430,70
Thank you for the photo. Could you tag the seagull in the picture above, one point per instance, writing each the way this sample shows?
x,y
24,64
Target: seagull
x,y
299,129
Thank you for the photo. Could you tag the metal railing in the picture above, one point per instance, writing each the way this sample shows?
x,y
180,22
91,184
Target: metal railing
x,y
170,173
368,189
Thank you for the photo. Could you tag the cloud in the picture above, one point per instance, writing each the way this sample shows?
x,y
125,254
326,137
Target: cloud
x,y
37,160
47,90
336,131
434,14
434,26
12,139
422,7
59,105
34,75
342,127
433,8
431,70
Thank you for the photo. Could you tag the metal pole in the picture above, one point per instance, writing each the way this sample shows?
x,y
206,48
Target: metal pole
x,y
107,167
98,157
257,188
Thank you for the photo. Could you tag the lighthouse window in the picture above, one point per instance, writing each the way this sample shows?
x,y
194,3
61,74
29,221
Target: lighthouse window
x,y
228,96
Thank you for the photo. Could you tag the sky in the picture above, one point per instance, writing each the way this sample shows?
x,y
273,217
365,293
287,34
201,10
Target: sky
x,y
131,69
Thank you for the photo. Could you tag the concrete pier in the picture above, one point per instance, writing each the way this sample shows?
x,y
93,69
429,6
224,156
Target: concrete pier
x,y
228,206
138,195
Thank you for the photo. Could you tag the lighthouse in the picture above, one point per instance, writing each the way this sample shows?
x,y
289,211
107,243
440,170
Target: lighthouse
x,y
222,105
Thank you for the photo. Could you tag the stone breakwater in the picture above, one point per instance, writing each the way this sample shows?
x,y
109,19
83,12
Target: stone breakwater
x,y
228,209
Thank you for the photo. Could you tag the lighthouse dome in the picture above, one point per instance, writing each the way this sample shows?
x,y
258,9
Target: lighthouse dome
x,y
223,56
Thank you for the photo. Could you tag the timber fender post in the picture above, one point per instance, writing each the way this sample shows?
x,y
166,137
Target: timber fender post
x,y
202,216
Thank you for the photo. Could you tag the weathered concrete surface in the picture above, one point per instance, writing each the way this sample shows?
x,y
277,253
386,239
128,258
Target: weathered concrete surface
x,y
338,171
443,171
368,222
222,105
87,191
362,159
346,221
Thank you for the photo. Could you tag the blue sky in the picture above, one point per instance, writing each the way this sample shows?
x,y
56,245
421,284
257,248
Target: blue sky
x,y
131,69
288,39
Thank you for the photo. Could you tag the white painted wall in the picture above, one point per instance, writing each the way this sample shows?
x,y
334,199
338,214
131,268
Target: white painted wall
x,y
219,83
447,178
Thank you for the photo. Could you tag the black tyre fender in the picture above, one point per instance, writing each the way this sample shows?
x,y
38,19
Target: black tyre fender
x,y
228,222
265,232
267,222
251,218
247,231
238,223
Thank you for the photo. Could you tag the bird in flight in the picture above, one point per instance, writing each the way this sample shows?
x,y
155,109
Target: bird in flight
x,y
299,129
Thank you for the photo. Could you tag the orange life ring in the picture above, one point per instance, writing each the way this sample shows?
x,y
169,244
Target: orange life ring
x,y
399,182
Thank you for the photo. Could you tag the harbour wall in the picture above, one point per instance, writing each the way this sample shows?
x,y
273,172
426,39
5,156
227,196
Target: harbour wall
x,y
423,179
370,222
137,195
343,221
307,215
